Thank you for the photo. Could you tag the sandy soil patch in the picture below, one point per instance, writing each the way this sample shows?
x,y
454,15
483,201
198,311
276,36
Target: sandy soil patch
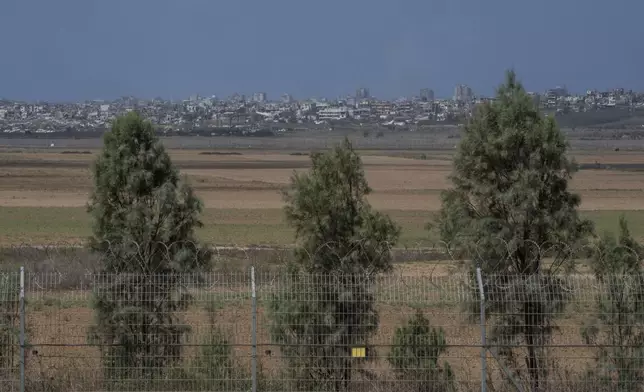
x,y
607,180
252,180
408,179
612,200
42,199
274,176
607,157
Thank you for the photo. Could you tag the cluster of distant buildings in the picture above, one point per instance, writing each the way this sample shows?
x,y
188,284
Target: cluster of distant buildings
x,y
257,111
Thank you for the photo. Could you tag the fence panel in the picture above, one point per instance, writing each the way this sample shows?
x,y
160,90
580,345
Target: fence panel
x,y
160,332
324,332
338,332
9,331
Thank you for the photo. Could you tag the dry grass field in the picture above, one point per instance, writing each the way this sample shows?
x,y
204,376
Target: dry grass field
x,y
43,193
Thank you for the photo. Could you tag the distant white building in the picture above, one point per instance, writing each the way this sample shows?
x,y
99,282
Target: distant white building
x,y
360,113
334,113
307,106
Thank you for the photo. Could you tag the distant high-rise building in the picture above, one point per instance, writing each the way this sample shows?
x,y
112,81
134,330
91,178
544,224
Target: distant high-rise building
x,y
236,97
426,94
287,98
463,93
259,97
362,93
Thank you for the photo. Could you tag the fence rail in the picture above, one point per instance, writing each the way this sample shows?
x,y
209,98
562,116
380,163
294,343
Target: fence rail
x,y
422,327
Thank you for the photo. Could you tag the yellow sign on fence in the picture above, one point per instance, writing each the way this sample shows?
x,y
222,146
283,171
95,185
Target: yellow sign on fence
x,y
359,352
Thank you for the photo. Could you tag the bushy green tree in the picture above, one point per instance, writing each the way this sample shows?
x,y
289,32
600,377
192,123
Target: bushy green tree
x,y
508,203
415,355
617,328
144,226
327,306
336,229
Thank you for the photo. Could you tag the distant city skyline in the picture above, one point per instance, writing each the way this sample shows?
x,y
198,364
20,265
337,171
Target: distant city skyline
x,y
71,50
460,92
253,114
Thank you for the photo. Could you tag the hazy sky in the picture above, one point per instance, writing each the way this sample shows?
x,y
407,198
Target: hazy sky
x,y
87,49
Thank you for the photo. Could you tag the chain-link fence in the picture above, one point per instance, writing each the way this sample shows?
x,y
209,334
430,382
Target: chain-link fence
x,y
423,327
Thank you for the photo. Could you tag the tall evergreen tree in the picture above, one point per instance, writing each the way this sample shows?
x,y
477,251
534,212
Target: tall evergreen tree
x,y
510,200
336,228
144,225
617,328
342,244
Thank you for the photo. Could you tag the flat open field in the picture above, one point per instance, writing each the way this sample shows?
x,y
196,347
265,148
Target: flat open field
x,y
43,192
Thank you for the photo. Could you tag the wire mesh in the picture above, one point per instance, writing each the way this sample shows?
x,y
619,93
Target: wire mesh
x,y
9,331
415,329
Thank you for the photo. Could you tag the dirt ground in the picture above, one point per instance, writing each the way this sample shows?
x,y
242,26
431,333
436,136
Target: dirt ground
x,y
252,179
51,327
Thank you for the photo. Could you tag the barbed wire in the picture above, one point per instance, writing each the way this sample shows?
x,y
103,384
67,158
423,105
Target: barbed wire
x,y
475,248
69,265
439,251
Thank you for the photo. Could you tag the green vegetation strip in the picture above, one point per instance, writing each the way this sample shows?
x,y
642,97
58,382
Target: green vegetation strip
x,y
43,225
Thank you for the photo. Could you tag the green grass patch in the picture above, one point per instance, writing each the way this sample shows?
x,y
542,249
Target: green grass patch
x,y
43,225
608,221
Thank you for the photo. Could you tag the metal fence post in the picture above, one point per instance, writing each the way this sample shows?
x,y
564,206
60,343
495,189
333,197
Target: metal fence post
x,y
22,329
479,279
253,330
